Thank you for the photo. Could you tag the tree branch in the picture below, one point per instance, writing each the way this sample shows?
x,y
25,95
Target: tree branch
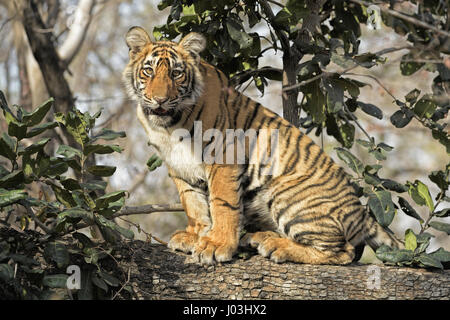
x,y
405,17
78,31
47,58
158,273
269,14
149,208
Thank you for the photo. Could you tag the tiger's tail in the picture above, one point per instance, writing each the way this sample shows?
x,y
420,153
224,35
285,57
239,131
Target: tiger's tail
x,y
374,235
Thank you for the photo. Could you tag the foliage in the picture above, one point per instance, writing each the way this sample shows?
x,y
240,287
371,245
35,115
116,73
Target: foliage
x,y
71,197
331,99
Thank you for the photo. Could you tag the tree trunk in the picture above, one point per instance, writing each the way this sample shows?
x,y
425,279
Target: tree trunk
x,y
158,273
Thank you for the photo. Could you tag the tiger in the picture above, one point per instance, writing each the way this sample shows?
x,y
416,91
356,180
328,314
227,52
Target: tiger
x,y
305,210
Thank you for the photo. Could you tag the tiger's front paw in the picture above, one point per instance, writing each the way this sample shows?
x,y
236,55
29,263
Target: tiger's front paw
x,y
208,251
183,241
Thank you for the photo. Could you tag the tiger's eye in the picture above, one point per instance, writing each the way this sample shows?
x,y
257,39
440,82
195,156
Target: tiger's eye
x,y
176,73
148,71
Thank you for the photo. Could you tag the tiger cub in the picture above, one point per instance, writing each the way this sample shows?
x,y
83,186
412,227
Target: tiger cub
x,y
295,203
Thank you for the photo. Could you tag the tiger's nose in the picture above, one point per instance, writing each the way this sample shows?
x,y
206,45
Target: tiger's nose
x,y
160,100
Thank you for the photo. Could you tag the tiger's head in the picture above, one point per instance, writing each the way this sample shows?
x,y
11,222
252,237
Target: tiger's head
x,y
163,76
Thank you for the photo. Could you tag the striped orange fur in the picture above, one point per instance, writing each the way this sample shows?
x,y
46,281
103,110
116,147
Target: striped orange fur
x,y
305,210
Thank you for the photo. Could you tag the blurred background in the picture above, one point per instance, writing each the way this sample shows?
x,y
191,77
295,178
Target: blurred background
x,y
95,80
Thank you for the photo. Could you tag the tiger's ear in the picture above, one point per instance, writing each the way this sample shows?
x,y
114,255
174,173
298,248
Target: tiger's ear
x,y
193,42
137,38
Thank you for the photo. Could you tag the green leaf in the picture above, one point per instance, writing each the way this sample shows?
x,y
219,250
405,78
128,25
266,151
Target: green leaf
x,y
381,205
365,143
14,179
371,109
441,255
347,131
394,186
377,154
3,171
410,240
102,171
58,253
412,96
395,256
373,168
429,261
15,128
8,197
408,67
241,37
38,114
115,227
24,260
68,151
109,279
407,209
101,149
94,185
55,281
354,163
420,194
70,184
439,178
103,201
424,237
6,271
270,73
76,126
443,213
425,107
35,147
154,162
76,213
298,9
441,226
282,18
108,134
56,167
100,283
83,239
4,105
335,94
62,195
112,208
8,147
385,147
371,179
315,101
41,128
401,118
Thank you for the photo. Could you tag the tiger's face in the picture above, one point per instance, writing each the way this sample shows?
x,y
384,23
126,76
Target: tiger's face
x,y
163,77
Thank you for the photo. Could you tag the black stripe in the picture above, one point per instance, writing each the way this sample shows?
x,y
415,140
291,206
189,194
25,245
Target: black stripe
x,y
307,150
226,203
253,116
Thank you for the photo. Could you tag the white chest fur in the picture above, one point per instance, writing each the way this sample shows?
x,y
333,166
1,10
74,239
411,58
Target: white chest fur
x,y
174,148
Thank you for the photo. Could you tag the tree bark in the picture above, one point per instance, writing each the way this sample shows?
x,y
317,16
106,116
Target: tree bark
x,y
158,273
46,56
292,54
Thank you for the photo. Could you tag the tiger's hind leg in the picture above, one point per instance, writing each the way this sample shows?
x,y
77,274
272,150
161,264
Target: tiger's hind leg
x,y
279,249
